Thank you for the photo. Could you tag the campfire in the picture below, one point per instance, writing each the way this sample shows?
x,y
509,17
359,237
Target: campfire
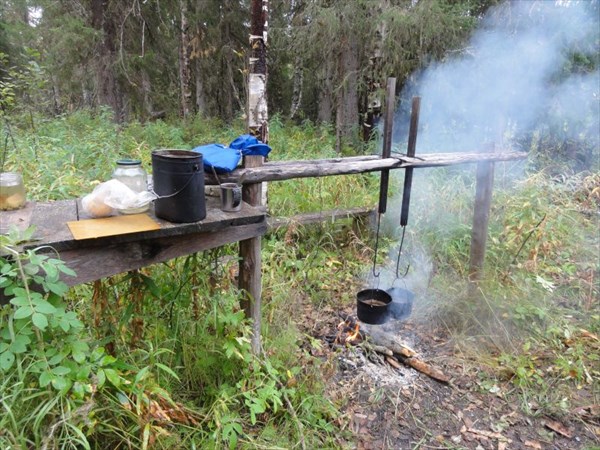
x,y
348,332
373,339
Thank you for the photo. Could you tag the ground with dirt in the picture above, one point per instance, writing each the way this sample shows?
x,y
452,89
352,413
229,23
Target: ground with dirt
x,y
399,408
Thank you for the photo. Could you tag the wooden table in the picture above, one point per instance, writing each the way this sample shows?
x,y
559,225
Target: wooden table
x,y
97,258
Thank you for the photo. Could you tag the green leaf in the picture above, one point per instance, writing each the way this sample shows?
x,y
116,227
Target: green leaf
x,y
107,360
3,346
65,325
66,270
51,272
23,311
83,373
20,301
19,345
43,306
56,359
78,356
7,359
60,383
101,378
141,374
168,370
45,378
59,288
61,370
40,321
113,377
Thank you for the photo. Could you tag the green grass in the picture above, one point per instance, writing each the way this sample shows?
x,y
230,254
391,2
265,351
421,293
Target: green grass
x,y
178,324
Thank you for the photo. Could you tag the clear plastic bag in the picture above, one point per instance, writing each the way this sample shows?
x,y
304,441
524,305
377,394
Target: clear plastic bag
x,y
114,195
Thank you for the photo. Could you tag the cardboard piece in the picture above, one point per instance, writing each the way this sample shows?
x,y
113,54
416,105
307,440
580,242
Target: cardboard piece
x,y
111,226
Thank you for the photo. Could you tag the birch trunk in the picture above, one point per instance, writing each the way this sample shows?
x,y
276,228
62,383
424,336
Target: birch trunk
x,y
298,82
257,77
184,62
347,98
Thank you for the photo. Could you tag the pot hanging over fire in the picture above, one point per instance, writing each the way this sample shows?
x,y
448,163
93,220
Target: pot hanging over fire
x,y
372,306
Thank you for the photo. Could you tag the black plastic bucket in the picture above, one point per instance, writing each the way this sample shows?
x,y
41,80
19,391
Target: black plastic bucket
x,y
178,177
372,306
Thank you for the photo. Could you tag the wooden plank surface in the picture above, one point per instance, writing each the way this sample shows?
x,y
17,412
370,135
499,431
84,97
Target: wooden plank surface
x,y
20,218
343,166
99,261
51,229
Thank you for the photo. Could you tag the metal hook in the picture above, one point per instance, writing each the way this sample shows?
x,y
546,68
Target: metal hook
x,y
376,274
400,253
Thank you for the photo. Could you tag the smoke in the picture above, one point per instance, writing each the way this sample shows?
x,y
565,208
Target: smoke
x,y
511,74
514,74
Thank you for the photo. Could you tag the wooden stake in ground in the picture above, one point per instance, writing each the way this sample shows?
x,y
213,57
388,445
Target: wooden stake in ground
x,y
250,257
481,215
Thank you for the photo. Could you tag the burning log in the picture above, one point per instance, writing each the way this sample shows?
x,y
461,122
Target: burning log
x,y
349,332
396,352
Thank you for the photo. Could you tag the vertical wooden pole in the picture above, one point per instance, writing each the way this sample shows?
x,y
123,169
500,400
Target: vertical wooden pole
x,y
250,276
481,214
258,126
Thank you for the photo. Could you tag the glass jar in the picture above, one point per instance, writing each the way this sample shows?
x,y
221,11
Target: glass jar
x,y
12,191
131,173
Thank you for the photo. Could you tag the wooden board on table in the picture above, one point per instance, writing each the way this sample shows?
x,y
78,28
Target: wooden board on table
x,y
111,226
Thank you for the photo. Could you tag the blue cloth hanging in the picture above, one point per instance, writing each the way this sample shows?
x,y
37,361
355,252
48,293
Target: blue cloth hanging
x,y
217,156
225,159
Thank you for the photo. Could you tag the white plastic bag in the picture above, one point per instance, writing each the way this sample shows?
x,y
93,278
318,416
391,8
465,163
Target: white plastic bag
x,y
113,195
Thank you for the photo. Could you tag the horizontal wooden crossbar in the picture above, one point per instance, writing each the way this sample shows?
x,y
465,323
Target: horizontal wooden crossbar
x,y
287,170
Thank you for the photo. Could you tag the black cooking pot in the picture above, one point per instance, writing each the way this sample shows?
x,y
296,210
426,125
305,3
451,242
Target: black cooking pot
x,y
402,301
372,306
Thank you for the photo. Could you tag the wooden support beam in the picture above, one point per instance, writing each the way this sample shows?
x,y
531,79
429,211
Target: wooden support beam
x,y
481,214
344,166
275,223
250,278
116,258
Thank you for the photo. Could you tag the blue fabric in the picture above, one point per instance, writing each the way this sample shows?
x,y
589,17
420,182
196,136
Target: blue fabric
x,y
225,159
249,145
216,156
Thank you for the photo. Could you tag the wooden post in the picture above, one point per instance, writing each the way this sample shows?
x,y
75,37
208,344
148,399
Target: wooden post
x,y
250,276
481,214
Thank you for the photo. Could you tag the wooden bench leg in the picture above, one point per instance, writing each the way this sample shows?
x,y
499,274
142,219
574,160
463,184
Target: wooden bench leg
x,y
250,282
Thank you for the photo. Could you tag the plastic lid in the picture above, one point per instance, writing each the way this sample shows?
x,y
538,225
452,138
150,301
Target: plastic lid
x,y
129,162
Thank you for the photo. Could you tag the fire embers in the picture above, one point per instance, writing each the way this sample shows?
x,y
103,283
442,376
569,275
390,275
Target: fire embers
x,y
349,332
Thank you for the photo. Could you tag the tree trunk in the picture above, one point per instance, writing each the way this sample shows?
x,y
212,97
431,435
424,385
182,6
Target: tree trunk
x,y
347,97
374,80
325,108
185,79
109,90
200,90
297,87
257,77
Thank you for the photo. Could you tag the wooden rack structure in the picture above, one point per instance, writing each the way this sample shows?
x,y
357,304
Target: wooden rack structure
x,y
98,258
255,172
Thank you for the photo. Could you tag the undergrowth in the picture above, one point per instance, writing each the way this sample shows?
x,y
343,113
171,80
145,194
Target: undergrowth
x,y
160,357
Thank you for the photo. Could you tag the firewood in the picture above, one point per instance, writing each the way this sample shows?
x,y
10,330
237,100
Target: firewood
x,y
387,340
425,368
383,350
393,362
386,343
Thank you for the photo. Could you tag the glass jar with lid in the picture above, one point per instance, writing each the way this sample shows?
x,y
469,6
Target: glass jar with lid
x,y
131,173
12,191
